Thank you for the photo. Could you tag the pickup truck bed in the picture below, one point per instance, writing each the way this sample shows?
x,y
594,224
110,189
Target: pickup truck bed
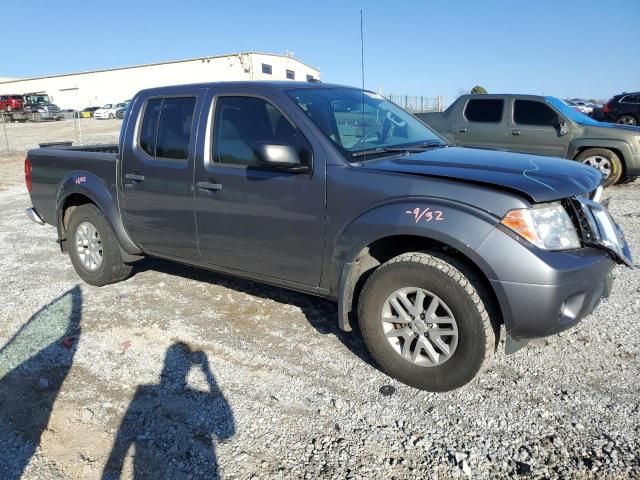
x,y
57,166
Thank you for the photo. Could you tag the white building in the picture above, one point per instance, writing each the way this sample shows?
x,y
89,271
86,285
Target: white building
x,y
96,88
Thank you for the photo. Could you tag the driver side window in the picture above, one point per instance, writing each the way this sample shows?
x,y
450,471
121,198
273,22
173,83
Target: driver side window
x,y
242,124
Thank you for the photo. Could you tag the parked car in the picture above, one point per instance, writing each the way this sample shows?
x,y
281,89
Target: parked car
x,y
429,247
11,103
86,112
584,106
106,111
120,112
541,126
623,109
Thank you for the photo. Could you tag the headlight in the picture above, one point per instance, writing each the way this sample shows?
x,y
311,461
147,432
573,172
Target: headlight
x,y
547,226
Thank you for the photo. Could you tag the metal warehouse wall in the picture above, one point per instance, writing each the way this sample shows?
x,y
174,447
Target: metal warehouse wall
x,y
89,89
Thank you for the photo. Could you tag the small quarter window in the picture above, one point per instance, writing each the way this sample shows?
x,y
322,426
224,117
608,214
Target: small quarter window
x,y
266,69
291,75
310,78
484,110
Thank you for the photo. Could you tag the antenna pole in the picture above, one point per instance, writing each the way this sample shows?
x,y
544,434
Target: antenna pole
x,y
364,133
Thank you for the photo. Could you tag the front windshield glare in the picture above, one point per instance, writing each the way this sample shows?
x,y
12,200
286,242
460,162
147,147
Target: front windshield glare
x,y
355,120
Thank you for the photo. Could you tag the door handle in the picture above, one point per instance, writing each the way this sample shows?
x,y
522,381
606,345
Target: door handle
x,y
462,130
209,185
515,132
134,176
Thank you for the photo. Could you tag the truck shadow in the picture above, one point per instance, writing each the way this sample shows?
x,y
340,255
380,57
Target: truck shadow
x,y
320,313
172,427
33,366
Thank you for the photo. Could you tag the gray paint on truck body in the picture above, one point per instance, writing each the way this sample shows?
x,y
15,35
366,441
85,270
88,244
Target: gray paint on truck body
x,y
307,231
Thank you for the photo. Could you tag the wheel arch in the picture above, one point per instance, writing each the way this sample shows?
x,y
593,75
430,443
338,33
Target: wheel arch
x,y
620,148
82,188
355,273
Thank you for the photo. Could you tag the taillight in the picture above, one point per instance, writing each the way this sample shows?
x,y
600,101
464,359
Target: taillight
x,y
606,108
27,174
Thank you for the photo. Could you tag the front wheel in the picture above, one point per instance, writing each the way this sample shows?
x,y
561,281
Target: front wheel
x,y
425,323
604,160
111,116
94,249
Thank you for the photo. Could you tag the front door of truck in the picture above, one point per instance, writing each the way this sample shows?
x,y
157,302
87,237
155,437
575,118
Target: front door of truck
x,y
534,127
482,124
157,173
254,218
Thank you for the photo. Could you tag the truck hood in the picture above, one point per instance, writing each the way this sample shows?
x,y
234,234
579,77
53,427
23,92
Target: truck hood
x,y
541,179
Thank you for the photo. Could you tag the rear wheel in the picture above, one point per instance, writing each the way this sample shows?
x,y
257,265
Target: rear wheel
x,y
94,249
627,120
604,160
425,323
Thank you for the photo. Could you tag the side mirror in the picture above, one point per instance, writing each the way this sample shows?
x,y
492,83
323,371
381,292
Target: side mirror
x,y
563,129
281,156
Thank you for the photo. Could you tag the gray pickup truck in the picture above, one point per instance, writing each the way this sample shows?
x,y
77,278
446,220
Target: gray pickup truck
x,y
540,126
336,192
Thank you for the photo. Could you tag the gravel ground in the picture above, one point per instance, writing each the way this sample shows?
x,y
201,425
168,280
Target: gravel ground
x,y
204,374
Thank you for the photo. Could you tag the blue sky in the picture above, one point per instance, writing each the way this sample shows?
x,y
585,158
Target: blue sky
x,y
576,48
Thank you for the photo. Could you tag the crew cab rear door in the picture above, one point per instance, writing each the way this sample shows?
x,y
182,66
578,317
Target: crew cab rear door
x,y
482,123
156,171
253,218
534,127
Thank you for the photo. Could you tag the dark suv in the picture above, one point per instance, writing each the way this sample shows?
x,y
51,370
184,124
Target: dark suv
x,y
623,108
11,103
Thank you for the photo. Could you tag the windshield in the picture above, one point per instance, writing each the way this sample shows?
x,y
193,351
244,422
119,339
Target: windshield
x,y
108,105
355,120
571,113
38,99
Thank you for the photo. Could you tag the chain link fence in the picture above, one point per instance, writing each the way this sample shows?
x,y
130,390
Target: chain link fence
x,y
417,103
20,134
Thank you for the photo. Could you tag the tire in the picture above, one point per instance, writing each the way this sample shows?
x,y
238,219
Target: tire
x,y
111,267
9,108
111,116
454,285
37,118
604,160
627,120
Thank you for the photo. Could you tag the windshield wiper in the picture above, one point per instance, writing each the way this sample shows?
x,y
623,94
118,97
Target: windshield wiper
x,y
416,148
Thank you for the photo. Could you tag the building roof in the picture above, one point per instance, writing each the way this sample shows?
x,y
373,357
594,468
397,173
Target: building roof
x,y
9,79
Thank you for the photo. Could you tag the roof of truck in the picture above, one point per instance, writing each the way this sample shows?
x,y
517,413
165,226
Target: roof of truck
x,y
282,85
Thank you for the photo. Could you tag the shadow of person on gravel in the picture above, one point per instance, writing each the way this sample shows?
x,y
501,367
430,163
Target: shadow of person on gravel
x,y
319,312
173,427
33,366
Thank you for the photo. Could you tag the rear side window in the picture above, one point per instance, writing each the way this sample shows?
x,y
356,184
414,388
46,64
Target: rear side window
x,y
166,127
530,112
174,129
630,99
485,110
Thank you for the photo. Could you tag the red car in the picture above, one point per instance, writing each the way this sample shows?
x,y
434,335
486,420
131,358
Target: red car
x,y
10,103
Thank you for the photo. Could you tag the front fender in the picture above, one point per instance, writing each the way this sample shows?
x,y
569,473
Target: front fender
x,y
91,186
456,225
